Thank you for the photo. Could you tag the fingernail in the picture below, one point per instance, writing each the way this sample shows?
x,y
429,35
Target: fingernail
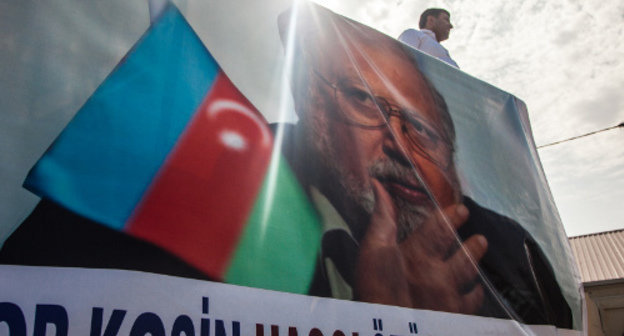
x,y
482,240
462,210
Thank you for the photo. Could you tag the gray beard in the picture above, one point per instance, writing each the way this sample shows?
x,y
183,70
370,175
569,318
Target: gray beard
x,y
410,216
353,198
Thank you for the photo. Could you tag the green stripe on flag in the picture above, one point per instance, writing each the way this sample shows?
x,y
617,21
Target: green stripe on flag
x,y
279,245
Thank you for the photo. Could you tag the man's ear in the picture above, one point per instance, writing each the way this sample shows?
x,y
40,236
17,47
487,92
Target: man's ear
x,y
283,21
300,88
430,22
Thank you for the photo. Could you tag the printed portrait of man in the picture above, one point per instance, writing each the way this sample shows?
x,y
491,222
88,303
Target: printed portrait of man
x,y
374,146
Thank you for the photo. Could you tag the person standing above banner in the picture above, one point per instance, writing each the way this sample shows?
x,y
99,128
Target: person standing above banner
x,y
435,26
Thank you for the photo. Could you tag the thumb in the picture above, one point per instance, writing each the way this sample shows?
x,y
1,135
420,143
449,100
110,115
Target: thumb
x,y
382,227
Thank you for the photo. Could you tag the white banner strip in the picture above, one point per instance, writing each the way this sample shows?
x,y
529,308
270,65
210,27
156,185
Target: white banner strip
x,y
76,301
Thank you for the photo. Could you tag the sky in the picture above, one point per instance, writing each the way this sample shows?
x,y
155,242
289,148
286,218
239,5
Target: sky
x,y
565,60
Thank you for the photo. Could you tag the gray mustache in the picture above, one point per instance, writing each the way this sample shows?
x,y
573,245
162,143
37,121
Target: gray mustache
x,y
387,170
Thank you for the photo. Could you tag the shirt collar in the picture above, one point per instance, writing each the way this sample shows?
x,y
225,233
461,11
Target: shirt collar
x,y
429,33
330,216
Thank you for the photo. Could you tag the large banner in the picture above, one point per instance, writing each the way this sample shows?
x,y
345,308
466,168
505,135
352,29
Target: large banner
x,y
322,161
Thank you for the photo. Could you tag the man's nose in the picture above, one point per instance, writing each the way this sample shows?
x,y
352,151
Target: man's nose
x,y
394,144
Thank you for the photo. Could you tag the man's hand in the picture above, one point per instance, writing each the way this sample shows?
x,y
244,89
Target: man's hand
x,y
430,269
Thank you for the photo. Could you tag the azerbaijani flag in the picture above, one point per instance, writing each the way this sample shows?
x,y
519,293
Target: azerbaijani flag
x,y
169,151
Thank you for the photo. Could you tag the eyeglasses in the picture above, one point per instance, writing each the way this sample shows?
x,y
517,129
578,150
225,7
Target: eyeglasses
x,y
359,107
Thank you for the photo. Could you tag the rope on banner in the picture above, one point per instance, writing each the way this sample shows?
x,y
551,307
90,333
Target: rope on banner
x,y
581,136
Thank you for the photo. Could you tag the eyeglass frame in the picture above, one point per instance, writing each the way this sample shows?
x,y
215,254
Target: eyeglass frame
x,y
404,115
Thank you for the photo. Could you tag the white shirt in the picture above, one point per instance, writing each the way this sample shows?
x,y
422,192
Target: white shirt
x,y
425,41
332,220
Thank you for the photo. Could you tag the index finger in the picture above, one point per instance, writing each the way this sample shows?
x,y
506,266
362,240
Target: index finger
x,y
382,226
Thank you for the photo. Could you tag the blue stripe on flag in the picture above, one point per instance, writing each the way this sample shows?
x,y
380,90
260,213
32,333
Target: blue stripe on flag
x,y
106,157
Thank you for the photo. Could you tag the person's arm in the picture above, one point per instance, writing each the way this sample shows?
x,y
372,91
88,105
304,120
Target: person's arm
x,y
411,37
436,50
418,40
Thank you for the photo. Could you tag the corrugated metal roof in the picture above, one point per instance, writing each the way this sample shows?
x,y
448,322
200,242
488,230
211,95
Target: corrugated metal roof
x,y
600,256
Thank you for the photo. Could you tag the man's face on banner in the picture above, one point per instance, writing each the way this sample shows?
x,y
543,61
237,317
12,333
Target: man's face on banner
x,y
372,116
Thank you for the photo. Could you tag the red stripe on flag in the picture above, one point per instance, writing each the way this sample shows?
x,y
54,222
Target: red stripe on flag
x,y
198,204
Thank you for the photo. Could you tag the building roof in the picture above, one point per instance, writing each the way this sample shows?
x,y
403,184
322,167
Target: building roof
x,y
600,256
